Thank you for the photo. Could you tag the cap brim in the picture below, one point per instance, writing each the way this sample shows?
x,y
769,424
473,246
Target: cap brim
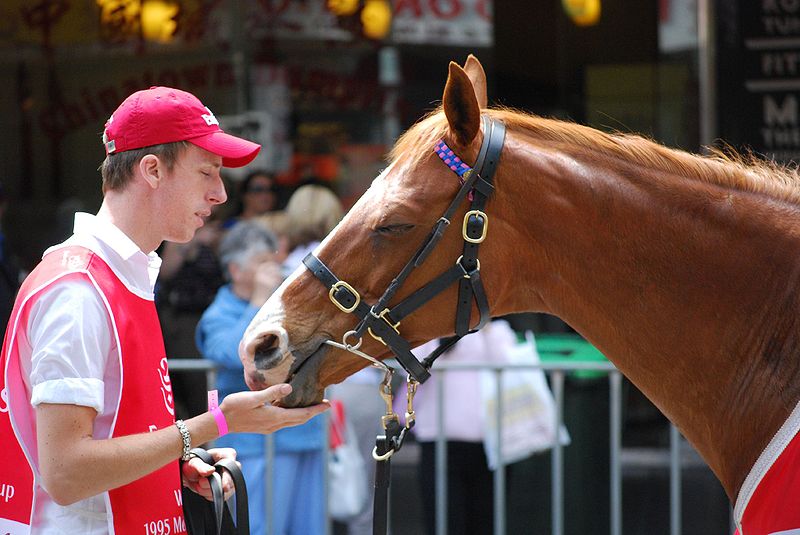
x,y
235,151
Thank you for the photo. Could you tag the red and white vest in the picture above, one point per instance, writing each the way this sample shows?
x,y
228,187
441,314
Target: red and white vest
x,y
769,500
150,505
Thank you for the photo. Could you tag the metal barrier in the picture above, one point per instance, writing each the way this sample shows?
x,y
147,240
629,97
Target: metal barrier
x,y
557,373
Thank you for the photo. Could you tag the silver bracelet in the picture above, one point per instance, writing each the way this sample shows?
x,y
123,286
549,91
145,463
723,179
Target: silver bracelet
x,y
187,440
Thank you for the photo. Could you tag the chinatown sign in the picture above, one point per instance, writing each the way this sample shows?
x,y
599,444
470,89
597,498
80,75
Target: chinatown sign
x,y
443,22
182,23
436,22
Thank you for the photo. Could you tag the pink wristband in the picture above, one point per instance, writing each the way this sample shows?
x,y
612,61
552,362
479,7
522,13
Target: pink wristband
x,y
213,408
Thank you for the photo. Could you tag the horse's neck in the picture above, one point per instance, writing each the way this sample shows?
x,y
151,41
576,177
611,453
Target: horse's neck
x,y
687,287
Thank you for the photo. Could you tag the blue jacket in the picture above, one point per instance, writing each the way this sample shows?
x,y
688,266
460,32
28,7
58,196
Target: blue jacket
x,y
218,334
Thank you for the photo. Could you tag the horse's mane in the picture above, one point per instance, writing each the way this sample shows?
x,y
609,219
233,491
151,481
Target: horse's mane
x,y
744,172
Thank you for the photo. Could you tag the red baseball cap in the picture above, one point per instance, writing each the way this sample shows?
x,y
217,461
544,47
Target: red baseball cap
x,y
166,115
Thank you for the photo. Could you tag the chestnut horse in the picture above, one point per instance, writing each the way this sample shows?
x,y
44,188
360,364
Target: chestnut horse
x,y
683,270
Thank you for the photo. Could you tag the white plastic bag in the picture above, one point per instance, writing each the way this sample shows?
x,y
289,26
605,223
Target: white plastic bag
x,y
529,410
347,483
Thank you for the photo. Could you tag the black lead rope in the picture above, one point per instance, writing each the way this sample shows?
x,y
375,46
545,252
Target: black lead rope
x,y
383,478
387,445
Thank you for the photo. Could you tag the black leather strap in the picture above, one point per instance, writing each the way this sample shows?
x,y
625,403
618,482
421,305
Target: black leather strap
x,y
379,319
380,328
242,512
196,508
425,294
383,477
472,286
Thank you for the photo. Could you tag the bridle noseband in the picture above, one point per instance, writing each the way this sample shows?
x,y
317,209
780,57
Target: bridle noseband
x,y
381,321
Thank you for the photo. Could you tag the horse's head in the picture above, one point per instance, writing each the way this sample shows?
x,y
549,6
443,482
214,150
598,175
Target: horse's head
x,y
367,250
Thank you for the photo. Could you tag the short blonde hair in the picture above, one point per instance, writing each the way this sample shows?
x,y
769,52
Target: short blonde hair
x,y
311,213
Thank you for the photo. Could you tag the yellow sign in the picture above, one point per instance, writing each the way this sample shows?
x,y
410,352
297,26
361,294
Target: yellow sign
x,y
158,19
343,8
376,19
582,12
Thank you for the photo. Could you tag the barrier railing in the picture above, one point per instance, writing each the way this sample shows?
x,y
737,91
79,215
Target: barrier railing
x,y
557,373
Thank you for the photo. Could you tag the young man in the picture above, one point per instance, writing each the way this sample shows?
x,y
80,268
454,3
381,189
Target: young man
x,y
87,425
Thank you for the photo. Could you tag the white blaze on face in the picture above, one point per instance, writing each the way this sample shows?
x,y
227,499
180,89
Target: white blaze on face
x,y
270,318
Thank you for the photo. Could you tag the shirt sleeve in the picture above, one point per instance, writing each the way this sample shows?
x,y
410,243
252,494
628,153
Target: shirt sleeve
x,y
70,336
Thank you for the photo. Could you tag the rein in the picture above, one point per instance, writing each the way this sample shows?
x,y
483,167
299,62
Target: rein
x,y
382,322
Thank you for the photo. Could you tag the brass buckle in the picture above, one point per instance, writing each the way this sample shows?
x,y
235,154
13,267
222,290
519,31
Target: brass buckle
x,y
382,316
466,274
411,389
342,284
485,226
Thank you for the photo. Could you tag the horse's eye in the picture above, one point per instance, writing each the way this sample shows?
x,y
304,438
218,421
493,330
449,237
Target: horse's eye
x,y
389,230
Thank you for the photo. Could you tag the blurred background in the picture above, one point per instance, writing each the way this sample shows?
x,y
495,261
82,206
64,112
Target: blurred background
x,y
327,86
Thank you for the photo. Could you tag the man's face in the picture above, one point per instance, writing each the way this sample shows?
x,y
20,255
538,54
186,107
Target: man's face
x,y
188,193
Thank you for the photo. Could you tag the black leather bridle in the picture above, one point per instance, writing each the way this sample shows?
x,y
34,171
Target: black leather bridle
x,y
381,321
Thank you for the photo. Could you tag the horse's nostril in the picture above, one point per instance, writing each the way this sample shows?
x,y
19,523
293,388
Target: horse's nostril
x,y
270,341
267,353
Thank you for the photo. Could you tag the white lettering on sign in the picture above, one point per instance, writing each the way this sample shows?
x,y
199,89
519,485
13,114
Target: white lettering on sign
x,y
780,6
178,497
780,63
165,526
4,398
70,261
457,22
781,25
166,386
178,525
7,491
783,113
775,138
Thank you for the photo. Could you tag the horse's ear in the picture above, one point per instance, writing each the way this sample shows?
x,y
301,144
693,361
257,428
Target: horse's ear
x,y
461,105
477,75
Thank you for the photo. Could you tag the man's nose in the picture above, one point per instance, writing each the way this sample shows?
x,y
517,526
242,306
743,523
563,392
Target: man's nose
x,y
219,195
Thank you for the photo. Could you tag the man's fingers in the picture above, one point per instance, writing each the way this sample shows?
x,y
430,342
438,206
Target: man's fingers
x,y
197,465
306,413
227,485
222,453
276,392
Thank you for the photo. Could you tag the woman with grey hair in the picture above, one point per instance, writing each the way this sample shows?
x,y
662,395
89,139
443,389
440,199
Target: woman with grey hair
x,y
252,264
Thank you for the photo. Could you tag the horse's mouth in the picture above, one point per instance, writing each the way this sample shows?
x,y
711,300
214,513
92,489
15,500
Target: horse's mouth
x,y
288,365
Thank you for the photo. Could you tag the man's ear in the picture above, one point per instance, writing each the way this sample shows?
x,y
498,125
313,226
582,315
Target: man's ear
x,y
150,169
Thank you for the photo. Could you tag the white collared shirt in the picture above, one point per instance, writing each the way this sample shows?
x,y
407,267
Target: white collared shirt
x,y
74,359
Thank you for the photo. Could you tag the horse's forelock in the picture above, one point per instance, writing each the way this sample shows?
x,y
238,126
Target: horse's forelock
x,y
417,142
